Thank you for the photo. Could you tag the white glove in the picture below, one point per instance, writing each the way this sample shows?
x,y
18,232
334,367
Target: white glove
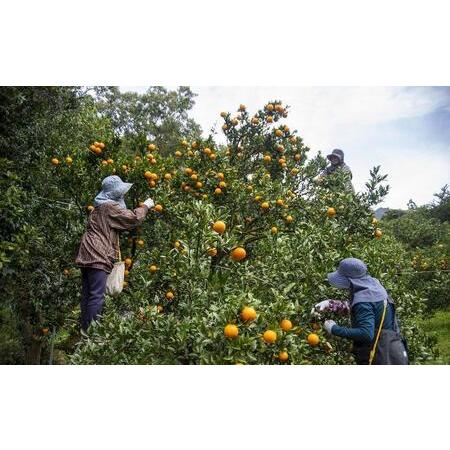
x,y
149,203
328,325
321,306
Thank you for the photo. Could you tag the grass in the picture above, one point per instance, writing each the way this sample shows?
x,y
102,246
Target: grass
x,y
439,324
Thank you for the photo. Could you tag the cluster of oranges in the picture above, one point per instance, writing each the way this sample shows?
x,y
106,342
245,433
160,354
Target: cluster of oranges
x,y
97,147
248,314
236,254
55,161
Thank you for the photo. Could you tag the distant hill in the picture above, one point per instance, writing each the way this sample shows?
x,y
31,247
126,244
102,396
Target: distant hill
x,y
380,212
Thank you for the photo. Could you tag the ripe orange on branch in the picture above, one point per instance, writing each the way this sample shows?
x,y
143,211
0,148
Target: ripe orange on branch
x,y
219,226
238,254
313,339
270,336
331,212
248,313
283,356
286,325
231,331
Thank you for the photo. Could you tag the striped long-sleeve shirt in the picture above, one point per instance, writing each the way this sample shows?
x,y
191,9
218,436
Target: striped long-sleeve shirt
x,y
98,246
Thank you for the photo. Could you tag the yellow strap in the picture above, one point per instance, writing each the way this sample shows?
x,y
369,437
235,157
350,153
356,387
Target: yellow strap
x,y
374,349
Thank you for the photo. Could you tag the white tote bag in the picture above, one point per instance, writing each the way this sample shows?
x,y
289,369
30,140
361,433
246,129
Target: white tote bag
x,y
114,282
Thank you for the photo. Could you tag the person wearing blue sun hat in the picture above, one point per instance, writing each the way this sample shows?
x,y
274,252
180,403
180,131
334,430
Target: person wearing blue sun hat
x,y
374,327
99,246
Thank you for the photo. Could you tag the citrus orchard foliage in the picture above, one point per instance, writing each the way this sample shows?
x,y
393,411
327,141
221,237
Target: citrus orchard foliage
x,y
227,266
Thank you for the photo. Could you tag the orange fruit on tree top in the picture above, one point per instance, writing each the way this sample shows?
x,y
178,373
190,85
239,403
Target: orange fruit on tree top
x,y
331,212
278,133
269,119
231,331
242,107
286,325
238,254
269,336
219,226
248,313
269,107
313,339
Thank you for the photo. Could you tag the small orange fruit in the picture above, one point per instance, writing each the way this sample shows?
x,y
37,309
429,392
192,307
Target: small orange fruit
x,y
153,268
289,219
269,336
212,251
90,208
128,262
280,202
55,161
140,242
199,185
207,151
217,191
69,160
286,325
188,171
255,121
331,212
148,175
269,119
378,233
265,205
223,114
242,107
167,176
177,244
248,313
238,254
45,331
274,230
297,157
220,176
283,356
231,331
313,339
270,107
267,158
151,147
170,295
178,154
278,133
158,208
219,227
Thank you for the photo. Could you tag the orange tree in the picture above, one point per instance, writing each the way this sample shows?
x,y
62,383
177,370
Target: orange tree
x,y
230,261
56,144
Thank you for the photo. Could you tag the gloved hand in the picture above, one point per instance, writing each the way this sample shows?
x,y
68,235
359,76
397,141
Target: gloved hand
x,y
321,306
328,325
149,203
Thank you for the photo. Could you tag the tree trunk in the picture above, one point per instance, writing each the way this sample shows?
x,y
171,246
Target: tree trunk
x,y
33,352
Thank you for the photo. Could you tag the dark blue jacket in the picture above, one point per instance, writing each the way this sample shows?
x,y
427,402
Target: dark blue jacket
x,y
365,320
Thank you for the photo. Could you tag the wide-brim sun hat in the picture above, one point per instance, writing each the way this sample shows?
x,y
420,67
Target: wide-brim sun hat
x,y
114,187
349,268
336,153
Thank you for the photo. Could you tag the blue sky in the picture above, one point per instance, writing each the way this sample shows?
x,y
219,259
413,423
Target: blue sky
x,y
406,130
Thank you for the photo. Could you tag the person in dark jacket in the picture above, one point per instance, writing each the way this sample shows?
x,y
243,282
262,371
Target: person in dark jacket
x,y
336,158
98,248
366,307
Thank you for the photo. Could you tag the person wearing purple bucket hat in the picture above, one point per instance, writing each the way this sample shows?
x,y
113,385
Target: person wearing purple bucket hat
x,y
370,306
98,248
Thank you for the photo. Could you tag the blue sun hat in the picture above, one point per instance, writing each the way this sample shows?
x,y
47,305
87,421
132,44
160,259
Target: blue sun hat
x,y
352,274
113,190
